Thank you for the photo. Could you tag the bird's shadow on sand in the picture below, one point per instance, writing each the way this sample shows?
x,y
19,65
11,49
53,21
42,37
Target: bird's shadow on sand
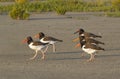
x,y
65,54
54,18
115,49
108,55
67,58
73,52
78,57
85,57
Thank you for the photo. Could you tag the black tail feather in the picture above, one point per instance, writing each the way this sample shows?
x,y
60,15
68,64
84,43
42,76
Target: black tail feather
x,y
60,40
99,36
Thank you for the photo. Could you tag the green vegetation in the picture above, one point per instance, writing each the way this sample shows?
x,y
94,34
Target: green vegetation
x,y
113,14
6,0
58,6
21,1
116,5
110,7
19,10
19,13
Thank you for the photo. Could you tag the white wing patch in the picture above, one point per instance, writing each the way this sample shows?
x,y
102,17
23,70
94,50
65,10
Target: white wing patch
x,y
82,35
50,41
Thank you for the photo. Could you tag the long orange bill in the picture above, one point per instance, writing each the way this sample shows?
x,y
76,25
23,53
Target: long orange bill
x,y
24,41
76,32
76,39
36,36
78,45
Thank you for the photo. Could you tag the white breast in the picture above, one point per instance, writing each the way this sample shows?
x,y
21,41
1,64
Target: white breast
x,y
39,47
88,50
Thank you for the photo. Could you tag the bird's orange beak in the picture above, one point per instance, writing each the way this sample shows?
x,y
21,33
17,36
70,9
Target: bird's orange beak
x,y
76,39
76,32
36,36
24,41
78,45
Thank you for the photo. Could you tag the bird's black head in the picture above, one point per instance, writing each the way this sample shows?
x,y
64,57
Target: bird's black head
x,y
41,35
80,31
82,38
29,39
82,43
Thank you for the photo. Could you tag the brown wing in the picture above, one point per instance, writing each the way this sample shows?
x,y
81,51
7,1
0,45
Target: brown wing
x,y
36,43
91,35
92,46
52,39
93,41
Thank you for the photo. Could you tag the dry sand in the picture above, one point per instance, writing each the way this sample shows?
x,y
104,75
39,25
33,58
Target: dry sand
x,y
66,62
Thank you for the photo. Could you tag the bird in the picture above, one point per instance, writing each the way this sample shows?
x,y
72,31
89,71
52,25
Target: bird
x,y
87,34
90,40
36,46
90,49
47,39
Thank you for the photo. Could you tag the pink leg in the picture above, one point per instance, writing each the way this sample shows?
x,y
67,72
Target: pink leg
x,y
43,55
54,49
34,55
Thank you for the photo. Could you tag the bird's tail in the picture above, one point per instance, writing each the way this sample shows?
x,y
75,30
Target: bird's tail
x,y
103,49
99,36
102,43
60,40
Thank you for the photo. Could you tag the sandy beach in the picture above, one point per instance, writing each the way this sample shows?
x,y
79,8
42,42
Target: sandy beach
x,y
66,62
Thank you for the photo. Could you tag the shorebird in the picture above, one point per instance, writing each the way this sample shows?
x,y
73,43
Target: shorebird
x,y
47,39
87,34
90,48
36,46
90,40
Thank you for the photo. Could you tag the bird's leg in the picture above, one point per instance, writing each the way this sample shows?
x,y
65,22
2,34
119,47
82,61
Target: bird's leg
x,y
34,55
43,54
54,48
82,54
46,49
91,57
96,53
94,56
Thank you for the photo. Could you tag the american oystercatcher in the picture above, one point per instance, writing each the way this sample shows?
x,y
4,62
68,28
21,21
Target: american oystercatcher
x,y
90,48
47,39
90,40
87,34
36,46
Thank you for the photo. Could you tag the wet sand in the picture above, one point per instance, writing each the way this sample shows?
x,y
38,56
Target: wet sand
x,y
66,62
